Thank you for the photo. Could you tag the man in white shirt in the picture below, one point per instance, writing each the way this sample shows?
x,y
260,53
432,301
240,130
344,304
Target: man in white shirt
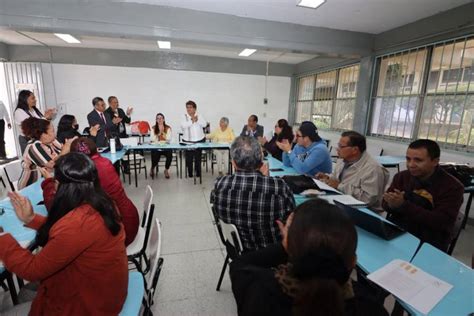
x,y
192,126
3,117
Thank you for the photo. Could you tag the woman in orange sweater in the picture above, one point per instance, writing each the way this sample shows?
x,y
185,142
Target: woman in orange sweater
x,y
82,268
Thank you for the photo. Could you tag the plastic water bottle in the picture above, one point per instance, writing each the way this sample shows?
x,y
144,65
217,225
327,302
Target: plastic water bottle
x,y
112,146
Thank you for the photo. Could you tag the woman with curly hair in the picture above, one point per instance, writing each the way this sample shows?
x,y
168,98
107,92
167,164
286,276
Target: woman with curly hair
x,y
41,151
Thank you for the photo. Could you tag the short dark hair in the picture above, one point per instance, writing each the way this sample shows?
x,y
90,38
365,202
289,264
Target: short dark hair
x,y
254,118
111,98
96,100
356,140
192,103
431,147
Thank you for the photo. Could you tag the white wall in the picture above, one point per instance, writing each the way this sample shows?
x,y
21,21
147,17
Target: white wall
x,y
10,147
151,91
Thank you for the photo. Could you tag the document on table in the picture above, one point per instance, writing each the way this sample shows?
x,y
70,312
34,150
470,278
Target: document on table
x,y
411,284
344,199
323,186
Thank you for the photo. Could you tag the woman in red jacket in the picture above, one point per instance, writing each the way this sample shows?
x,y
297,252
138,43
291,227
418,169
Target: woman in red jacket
x,y
82,267
110,182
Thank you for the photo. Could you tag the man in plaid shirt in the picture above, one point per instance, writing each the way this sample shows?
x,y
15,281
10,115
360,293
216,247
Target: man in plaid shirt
x,y
250,199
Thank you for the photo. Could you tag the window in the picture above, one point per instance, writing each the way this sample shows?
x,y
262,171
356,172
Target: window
x,y
398,93
437,102
332,95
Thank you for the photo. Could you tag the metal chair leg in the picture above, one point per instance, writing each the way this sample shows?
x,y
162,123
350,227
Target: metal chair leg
x,y
224,267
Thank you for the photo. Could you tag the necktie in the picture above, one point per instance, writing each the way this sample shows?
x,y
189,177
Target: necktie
x,y
103,118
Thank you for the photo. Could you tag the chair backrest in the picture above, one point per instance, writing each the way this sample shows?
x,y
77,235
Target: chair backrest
x,y
232,238
456,232
129,141
218,224
156,262
12,172
147,201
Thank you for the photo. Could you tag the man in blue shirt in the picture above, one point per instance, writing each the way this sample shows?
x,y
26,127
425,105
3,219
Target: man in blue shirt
x,y
310,155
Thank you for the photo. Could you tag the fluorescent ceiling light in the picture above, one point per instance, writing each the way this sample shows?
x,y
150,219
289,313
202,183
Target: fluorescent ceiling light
x,y
247,52
311,3
164,44
68,38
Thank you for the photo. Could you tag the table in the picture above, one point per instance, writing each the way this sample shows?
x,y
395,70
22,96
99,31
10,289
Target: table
x,y
459,300
117,156
177,147
11,224
390,161
372,251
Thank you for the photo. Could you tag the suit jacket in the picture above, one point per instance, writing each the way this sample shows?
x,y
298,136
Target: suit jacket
x,y
258,131
106,131
125,120
81,261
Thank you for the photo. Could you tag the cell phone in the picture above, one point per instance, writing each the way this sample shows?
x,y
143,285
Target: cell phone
x,y
276,169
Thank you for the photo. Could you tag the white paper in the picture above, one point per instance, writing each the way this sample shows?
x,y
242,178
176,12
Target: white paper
x,y
324,186
344,199
348,200
411,284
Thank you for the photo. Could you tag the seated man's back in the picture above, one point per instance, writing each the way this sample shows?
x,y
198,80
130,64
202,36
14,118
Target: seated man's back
x,y
253,202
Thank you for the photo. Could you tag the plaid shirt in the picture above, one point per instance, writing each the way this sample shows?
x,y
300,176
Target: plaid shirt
x,y
252,202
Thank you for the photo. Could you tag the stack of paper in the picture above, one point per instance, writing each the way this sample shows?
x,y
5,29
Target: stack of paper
x,y
412,285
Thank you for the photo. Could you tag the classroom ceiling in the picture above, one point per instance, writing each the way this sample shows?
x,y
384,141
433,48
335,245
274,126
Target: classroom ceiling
x,y
37,39
368,16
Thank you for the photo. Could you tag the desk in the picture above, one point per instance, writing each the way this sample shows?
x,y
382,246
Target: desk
x,y
114,157
177,147
390,161
459,300
373,252
11,224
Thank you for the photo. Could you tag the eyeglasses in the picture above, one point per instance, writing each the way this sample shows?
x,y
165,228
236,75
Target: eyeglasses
x,y
343,146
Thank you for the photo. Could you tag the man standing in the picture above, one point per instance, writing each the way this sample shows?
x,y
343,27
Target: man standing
x,y
356,172
192,126
122,118
3,117
252,129
424,199
250,199
106,124
310,155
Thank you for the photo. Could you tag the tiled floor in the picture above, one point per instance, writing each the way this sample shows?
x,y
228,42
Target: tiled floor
x,y
192,252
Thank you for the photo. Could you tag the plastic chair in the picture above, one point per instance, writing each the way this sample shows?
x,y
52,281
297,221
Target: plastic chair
x,y
230,238
136,251
12,173
156,264
135,292
456,233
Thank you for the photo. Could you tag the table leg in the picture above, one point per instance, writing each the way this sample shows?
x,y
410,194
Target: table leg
x,y
12,288
135,168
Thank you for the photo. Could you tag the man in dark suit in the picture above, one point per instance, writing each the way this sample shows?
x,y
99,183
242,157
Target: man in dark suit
x,y
115,112
252,128
107,124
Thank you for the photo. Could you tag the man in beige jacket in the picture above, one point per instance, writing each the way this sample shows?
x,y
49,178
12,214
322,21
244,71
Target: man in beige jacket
x,y
356,172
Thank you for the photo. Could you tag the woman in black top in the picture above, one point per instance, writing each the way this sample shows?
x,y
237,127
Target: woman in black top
x,y
282,131
67,128
308,273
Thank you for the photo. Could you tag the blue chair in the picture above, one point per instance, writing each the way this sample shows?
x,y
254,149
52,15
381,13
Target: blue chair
x,y
136,290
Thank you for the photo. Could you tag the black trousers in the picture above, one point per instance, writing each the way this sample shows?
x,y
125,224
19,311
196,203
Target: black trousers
x,y
194,155
156,155
2,139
